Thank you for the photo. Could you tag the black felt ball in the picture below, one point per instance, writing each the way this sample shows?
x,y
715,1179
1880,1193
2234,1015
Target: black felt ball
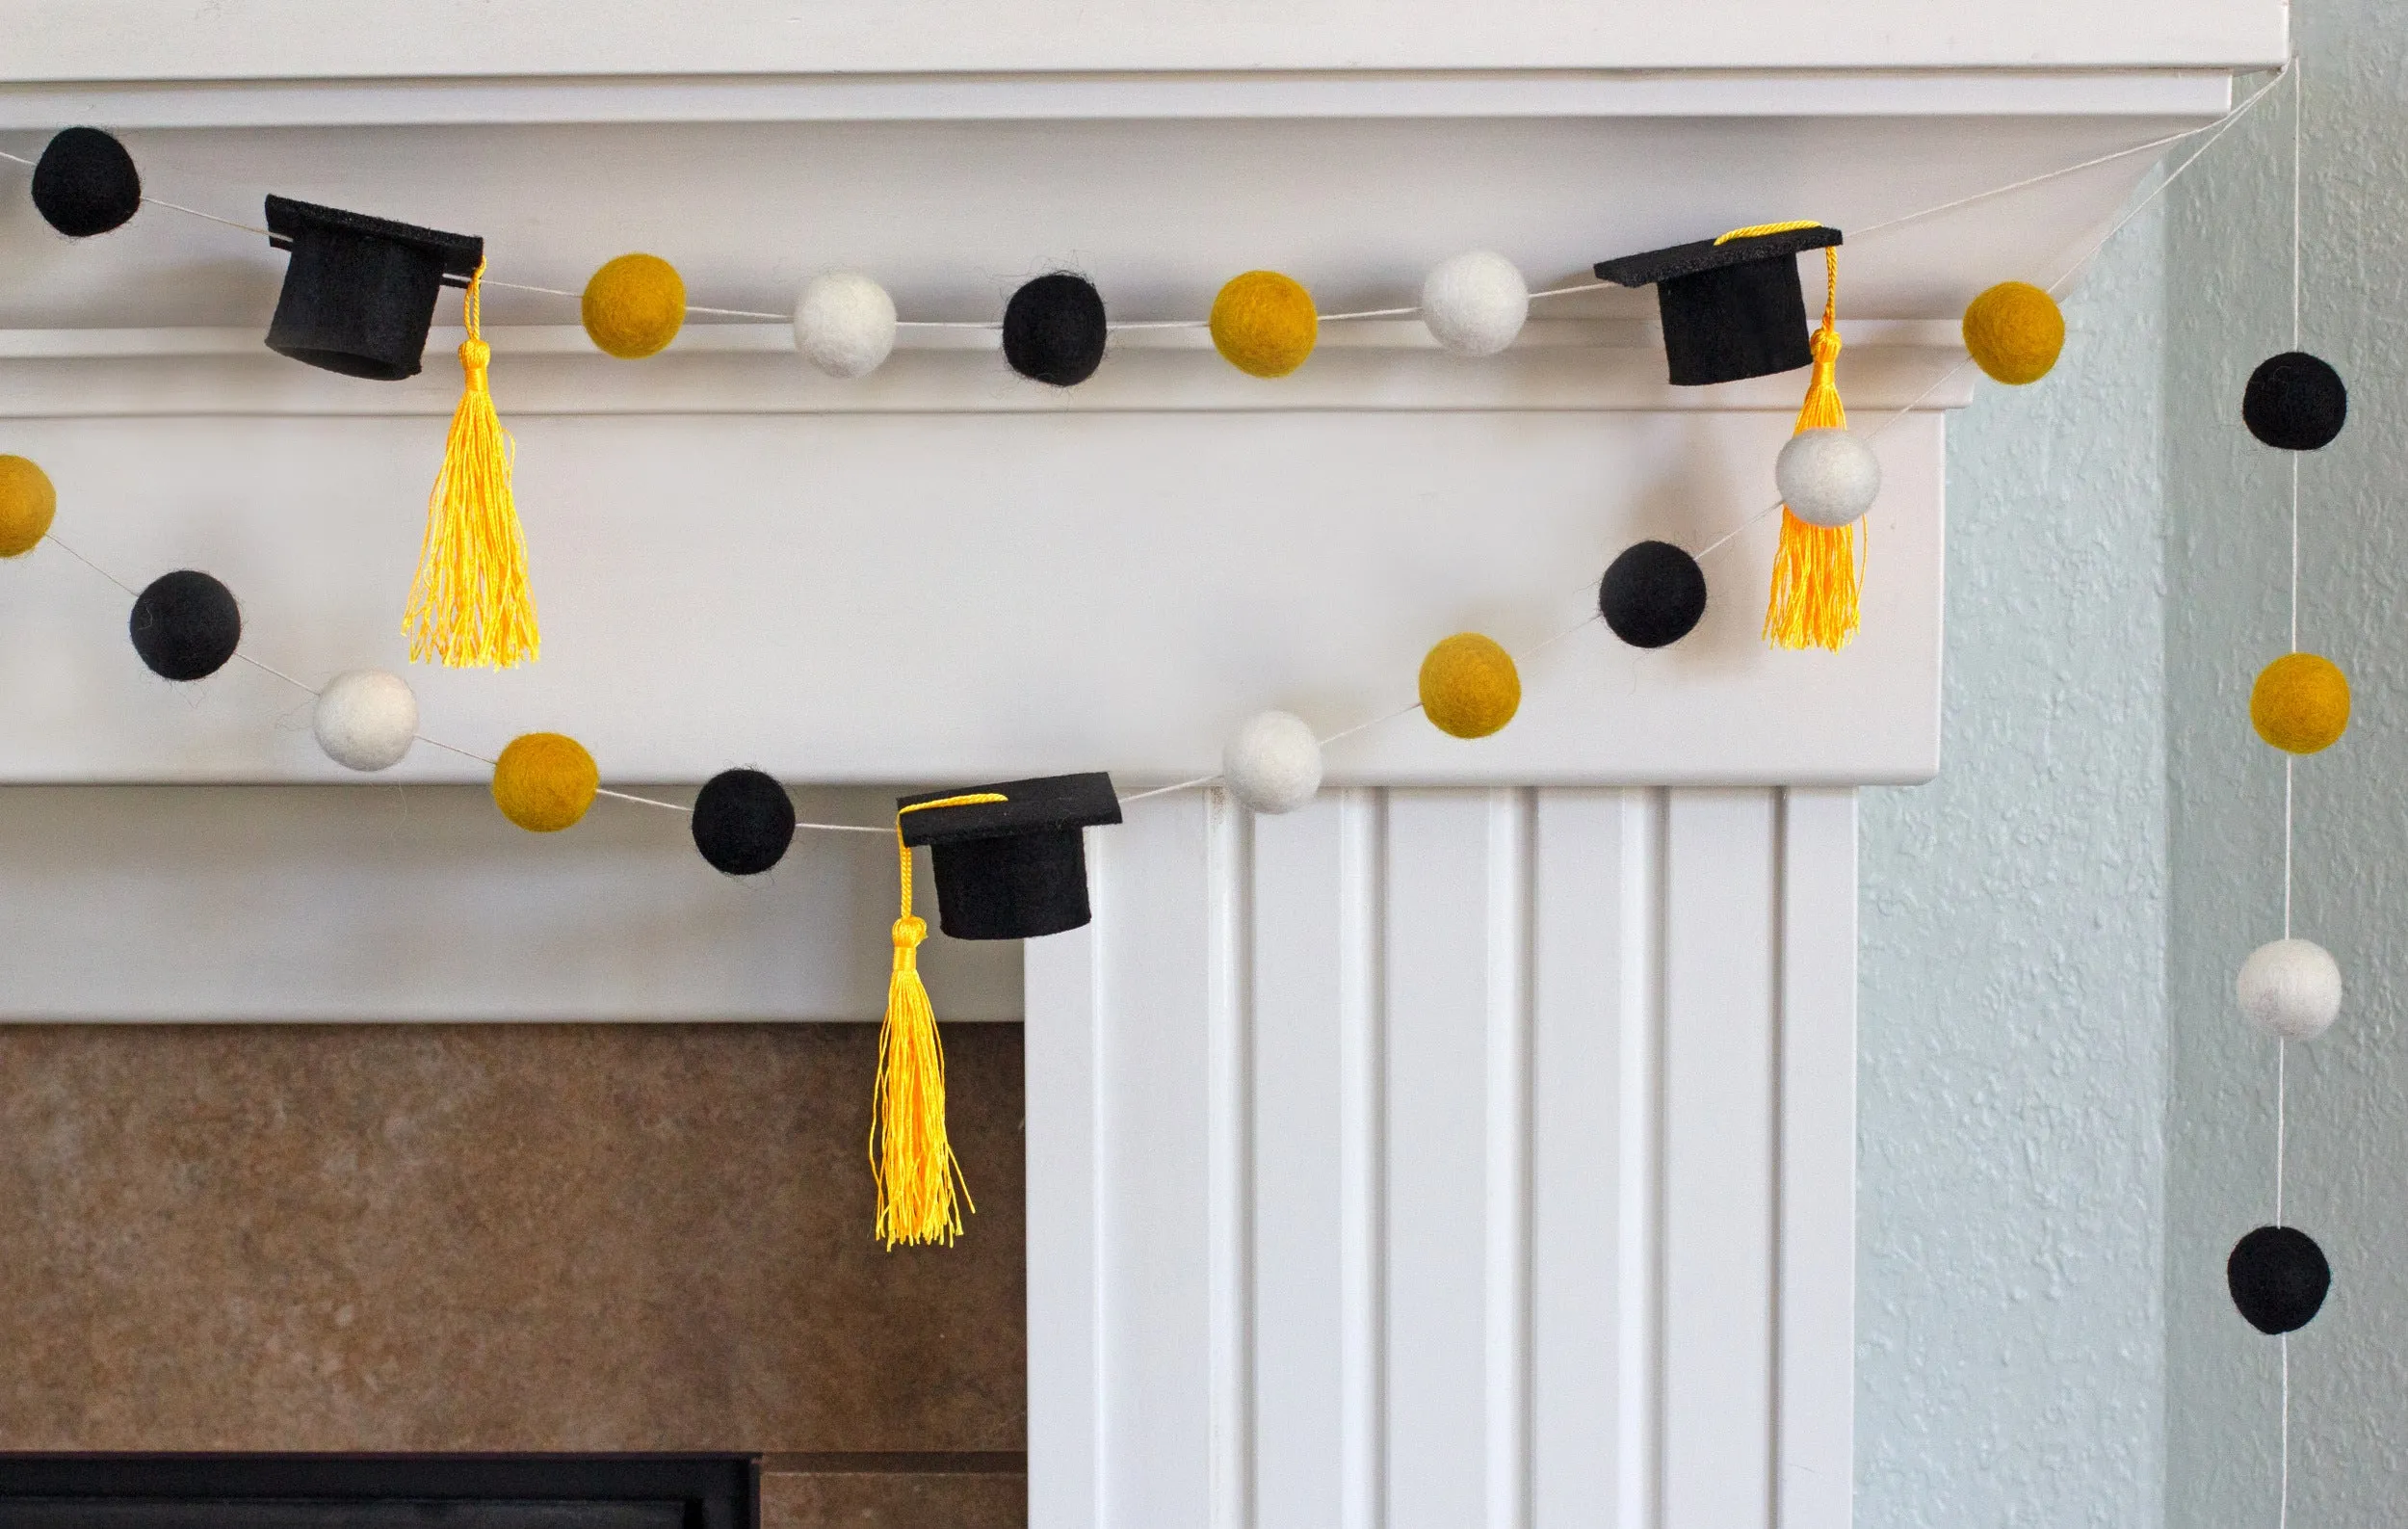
x,y
1653,594
2294,402
1053,330
85,183
2278,1277
743,821
186,625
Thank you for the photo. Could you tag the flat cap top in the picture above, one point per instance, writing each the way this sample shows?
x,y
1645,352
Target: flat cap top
x,y
289,220
1044,805
1707,254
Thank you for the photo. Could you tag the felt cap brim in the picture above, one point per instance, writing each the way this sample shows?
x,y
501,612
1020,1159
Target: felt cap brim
x,y
1013,869
360,292
1732,309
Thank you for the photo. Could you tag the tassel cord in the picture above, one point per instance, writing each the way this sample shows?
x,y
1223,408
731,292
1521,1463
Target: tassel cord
x,y
921,1188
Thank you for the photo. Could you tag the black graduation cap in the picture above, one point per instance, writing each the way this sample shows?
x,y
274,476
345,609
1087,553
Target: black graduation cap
x,y
1730,310
360,292
1016,868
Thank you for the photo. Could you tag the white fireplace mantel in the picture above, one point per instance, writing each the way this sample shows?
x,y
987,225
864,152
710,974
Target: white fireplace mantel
x,y
1473,1147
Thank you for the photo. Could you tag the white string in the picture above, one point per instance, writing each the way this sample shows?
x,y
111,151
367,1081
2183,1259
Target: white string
x,y
2281,1046
437,743
2281,1511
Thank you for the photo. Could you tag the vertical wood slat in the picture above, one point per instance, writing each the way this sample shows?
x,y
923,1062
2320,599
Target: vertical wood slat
x,y
1437,1260
1437,1157
1816,1435
1718,1097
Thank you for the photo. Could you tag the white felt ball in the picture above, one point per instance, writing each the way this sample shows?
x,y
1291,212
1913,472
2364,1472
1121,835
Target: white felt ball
x,y
1828,477
2290,988
366,718
1274,764
1474,303
845,324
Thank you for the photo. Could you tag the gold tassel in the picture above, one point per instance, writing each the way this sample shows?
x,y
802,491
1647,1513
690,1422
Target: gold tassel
x,y
911,1159
1819,573
471,606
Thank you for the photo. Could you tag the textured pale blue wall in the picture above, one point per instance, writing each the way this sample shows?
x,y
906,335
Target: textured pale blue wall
x,y
2228,565
2013,1039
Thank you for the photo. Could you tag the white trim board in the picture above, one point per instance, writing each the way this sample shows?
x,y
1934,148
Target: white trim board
x,y
132,40
732,369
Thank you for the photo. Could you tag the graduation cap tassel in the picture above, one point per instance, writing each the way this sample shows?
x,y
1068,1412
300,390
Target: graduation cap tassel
x,y
1817,574
471,606
911,1159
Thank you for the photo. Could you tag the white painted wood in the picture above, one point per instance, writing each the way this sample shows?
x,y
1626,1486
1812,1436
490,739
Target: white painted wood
x,y
1306,971
1066,1198
1592,1150
1081,97
1721,956
1816,1441
871,589
122,39
735,369
1159,211
390,902
1532,1082
1440,1411
1164,1353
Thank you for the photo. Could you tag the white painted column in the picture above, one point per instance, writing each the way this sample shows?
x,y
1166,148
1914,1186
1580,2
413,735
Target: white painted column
x,y
1443,1158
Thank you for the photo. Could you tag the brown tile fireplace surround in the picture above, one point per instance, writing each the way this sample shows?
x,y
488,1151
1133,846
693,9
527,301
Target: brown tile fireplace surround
x,y
513,1238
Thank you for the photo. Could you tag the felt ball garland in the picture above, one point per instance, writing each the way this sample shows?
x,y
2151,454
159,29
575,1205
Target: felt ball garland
x,y
1469,686
1274,764
1263,323
2014,332
2289,988
845,324
1053,330
1476,303
85,183
2300,704
366,718
185,625
743,821
2278,1279
1828,477
633,306
544,781
2296,401
28,504
1653,594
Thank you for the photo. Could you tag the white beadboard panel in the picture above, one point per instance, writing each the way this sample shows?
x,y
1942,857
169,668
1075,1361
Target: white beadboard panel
x,y
1720,959
421,903
1816,1441
1452,1157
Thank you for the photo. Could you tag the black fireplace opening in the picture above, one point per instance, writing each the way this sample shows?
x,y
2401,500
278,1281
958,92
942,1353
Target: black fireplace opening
x,y
380,1491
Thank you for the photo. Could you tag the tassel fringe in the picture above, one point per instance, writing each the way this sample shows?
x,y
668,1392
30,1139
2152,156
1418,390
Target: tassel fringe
x,y
911,1159
1818,572
471,606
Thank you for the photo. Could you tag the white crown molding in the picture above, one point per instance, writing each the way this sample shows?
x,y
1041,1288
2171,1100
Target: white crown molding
x,y
1378,366
1433,94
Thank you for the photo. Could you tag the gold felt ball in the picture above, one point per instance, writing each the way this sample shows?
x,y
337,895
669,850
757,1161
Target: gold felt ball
x,y
2015,331
1263,323
2300,704
544,781
633,306
1470,687
27,505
